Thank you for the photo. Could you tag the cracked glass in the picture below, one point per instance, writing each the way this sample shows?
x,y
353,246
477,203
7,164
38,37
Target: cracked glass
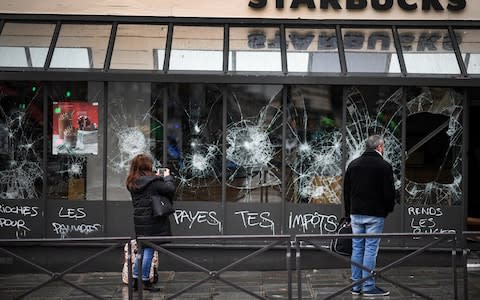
x,y
135,125
433,167
375,110
254,143
194,137
21,140
314,144
75,155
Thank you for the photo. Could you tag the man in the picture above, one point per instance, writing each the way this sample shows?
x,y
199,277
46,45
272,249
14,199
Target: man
x,y
369,195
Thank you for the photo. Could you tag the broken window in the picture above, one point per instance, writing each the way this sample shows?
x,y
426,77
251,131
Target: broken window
x,y
433,170
21,140
314,144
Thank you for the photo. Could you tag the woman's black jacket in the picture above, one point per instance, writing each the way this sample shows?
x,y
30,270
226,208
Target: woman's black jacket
x,y
145,223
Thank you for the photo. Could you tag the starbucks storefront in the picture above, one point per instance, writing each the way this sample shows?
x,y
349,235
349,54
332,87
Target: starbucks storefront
x,y
256,107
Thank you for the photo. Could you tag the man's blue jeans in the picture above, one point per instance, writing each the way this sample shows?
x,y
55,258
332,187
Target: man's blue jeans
x,y
364,250
146,264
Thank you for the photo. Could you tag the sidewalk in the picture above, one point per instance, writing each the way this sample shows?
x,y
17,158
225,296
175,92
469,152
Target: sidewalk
x,y
436,283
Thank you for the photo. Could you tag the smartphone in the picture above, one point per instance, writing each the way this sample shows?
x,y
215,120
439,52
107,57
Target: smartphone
x,y
161,171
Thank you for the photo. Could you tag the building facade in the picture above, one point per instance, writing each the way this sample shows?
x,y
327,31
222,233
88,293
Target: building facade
x,y
257,107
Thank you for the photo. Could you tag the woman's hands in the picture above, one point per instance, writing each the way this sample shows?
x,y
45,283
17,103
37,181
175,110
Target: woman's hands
x,y
163,172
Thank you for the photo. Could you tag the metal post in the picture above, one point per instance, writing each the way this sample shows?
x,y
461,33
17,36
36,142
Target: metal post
x,y
139,261
454,269
465,274
129,265
289,267
299,269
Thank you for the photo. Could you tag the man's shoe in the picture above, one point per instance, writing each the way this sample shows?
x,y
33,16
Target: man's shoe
x,y
376,292
148,286
356,292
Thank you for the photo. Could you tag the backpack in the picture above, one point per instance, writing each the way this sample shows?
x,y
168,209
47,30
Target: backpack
x,y
153,268
342,246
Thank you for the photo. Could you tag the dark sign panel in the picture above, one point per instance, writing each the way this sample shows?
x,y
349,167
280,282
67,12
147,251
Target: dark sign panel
x,y
75,220
21,219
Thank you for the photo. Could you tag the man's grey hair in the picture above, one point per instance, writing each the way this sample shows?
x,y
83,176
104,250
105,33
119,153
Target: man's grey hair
x,y
373,141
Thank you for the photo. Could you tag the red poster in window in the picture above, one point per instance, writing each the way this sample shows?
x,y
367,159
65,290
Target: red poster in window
x,y
75,128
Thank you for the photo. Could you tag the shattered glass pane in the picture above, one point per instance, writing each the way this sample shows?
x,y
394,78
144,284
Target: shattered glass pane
x,y
313,145
254,143
434,147
135,125
375,110
21,140
194,140
74,164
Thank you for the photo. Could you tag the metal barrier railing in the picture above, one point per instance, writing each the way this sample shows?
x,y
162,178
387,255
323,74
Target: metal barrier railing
x,y
55,276
272,241
285,242
465,254
439,238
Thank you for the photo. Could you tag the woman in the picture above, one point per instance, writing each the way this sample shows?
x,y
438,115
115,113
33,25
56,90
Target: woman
x,y
143,182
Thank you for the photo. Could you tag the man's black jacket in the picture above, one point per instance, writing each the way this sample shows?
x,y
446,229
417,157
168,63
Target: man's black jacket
x,y
368,186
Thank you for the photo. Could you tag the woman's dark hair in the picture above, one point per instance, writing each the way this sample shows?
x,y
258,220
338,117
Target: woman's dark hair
x,y
141,165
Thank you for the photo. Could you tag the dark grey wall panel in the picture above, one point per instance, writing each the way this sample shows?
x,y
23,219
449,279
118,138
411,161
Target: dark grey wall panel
x,y
119,218
253,218
197,218
72,219
312,219
21,219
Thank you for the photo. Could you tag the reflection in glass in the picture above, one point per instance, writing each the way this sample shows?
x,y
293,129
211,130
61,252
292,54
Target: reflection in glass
x,y
13,57
74,161
313,145
469,42
21,132
254,143
194,137
312,50
370,50
19,44
254,49
375,110
434,139
135,125
81,46
428,51
136,46
197,48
